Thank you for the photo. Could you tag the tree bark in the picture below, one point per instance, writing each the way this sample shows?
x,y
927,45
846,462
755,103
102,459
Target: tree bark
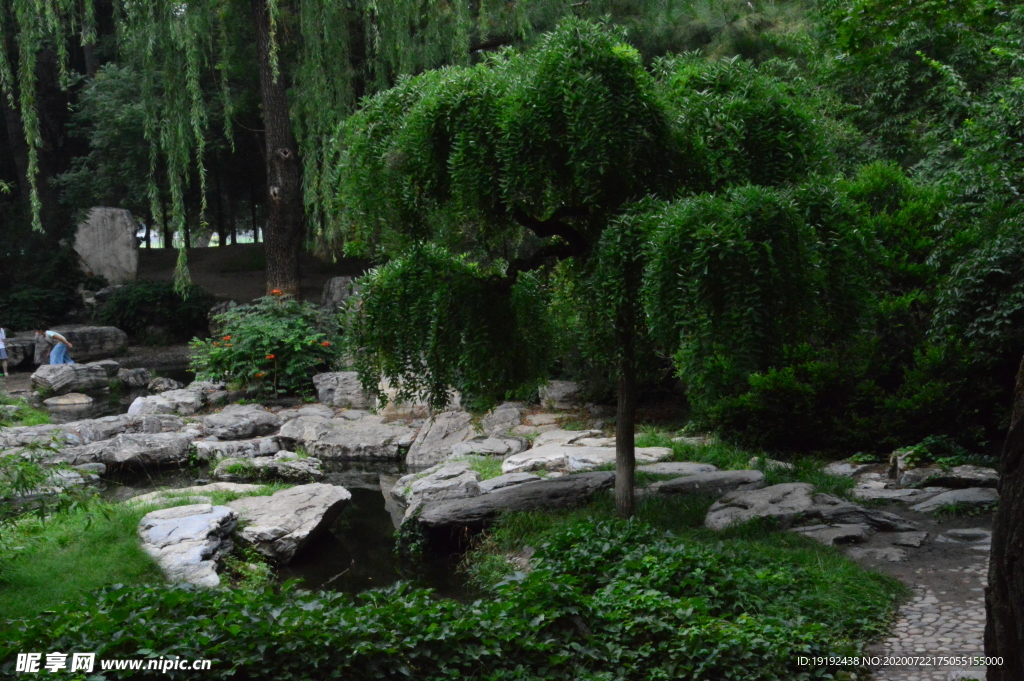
x,y
1004,596
625,427
285,227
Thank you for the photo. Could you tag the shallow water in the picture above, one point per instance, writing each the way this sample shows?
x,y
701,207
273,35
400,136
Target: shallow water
x,y
111,404
356,553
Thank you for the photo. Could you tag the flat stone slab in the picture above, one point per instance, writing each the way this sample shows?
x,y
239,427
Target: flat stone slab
x,y
186,541
71,400
912,539
133,449
710,483
889,553
366,438
558,436
901,494
977,496
490,446
477,512
676,468
508,480
571,459
321,410
448,480
212,450
958,477
970,534
241,421
795,503
283,465
560,395
61,379
279,526
503,418
836,535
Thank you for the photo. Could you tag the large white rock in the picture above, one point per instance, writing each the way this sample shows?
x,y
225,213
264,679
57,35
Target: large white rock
x,y
503,418
564,437
438,436
490,446
341,389
187,541
241,421
279,526
212,450
560,395
90,343
368,437
132,449
795,503
61,379
449,480
570,459
286,466
107,246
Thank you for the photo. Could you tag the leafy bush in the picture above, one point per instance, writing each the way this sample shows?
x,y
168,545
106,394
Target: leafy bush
x,y
33,307
607,600
151,311
273,346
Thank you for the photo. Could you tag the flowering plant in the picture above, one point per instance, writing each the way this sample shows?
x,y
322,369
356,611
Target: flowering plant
x,y
273,346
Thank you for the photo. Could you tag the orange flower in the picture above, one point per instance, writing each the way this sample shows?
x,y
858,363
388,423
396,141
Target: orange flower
x,y
271,356
261,374
326,343
276,292
216,344
226,338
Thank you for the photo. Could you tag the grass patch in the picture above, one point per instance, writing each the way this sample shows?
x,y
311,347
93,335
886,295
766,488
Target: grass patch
x,y
487,466
90,545
25,415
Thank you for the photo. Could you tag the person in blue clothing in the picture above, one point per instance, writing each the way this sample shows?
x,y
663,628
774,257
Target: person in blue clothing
x,y
59,354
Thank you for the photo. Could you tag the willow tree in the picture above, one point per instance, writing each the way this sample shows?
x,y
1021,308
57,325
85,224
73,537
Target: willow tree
x,y
472,183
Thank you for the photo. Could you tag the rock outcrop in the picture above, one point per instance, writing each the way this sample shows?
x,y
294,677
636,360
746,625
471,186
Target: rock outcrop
x,y
970,497
61,379
286,466
241,421
90,343
187,541
438,436
107,246
713,483
368,437
561,395
572,459
132,449
279,526
341,389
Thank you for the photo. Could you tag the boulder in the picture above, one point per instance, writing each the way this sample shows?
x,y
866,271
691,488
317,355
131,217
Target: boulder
x,y
836,535
108,365
560,395
162,383
184,402
61,379
564,437
796,503
503,418
134,379
490,446
212,450
957,477
973,496
286,466
713,483
240,422
150,404
913,539
106,244
508,480
676,468
90,343
341,389
337,292
279,526
438,436
132,449
320,410
449,480
541,420
339,438
87,431
476,512
570,459
187,541
70,400
845,469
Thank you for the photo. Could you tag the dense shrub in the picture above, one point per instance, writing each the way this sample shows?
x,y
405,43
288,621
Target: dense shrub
x,y
153,312
273,346
607,600
34,308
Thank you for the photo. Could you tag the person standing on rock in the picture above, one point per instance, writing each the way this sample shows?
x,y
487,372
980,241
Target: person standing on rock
x,y
59,354
3,350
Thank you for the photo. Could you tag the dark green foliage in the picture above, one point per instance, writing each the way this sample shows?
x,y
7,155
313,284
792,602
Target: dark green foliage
x,y
34,308
145,309
430,322
273,346
605,601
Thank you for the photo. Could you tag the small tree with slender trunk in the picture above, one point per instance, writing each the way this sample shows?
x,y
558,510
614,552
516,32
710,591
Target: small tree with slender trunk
x,y
472,183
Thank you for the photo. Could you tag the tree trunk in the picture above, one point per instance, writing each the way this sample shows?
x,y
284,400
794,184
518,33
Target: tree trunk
x,y
1004,597
284,230
625,428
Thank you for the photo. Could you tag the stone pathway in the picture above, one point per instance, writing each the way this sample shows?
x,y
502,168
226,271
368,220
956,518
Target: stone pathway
x,y
939,622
